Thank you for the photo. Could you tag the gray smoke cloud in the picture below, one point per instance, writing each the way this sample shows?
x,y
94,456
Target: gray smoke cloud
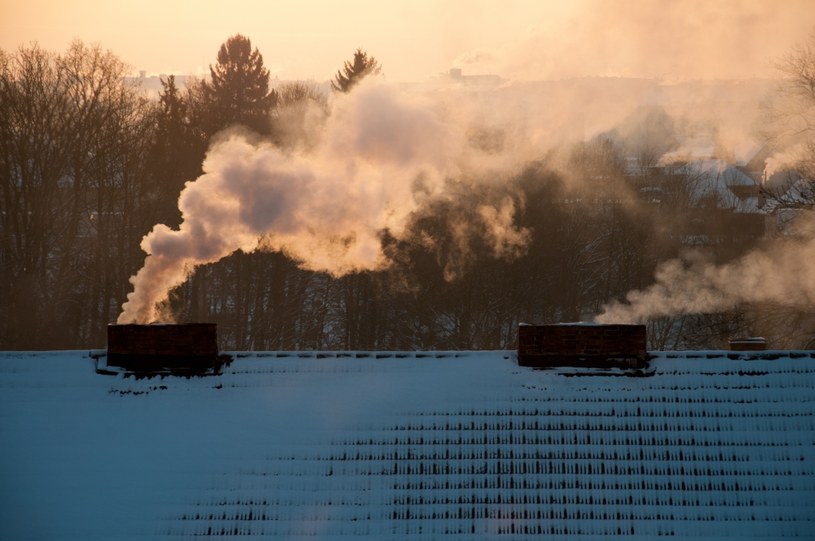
x,y
326,207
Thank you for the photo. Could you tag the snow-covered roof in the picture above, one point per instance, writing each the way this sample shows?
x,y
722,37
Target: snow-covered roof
x,y
721,180
409,446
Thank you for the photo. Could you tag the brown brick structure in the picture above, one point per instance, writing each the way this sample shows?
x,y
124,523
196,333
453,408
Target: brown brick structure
x,y
189,347
748,344
582,345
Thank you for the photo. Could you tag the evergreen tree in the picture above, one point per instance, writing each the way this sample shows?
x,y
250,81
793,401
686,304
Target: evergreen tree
x,y
238,92
175,155
353,72
172,107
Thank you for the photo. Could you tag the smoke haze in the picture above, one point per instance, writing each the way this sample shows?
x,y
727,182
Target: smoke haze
x,y
676,40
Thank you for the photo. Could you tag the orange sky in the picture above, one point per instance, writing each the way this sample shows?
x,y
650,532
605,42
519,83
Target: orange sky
x,y
416,40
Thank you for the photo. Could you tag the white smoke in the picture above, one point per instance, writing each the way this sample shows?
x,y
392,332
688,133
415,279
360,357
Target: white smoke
x,y
789,158
781,273
506,238
380,155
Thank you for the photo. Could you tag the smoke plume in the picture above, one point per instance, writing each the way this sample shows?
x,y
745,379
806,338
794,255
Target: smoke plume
x,y
381,154
780,273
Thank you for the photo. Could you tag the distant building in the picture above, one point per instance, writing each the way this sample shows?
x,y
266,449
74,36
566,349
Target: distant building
x,y
151,84
485,81
721,204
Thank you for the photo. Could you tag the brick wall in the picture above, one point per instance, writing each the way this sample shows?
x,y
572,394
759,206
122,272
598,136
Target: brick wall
x,y
582,345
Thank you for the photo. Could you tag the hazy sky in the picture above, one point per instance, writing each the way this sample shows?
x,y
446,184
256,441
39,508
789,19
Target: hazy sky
x,y
417,39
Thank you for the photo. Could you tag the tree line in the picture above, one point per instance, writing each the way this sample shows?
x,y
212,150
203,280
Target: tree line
x,y
88,165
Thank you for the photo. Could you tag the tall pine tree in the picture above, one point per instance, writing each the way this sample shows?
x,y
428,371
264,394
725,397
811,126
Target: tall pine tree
x,y
238,91
175,155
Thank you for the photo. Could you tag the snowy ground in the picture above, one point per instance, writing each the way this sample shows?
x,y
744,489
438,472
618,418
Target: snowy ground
x,y
407,446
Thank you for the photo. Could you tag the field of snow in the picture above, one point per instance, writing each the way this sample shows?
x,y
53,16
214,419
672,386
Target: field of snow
x,y
459,445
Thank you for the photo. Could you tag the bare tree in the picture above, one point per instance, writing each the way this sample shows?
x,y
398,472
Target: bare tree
x,y
300,112
790,120
70,158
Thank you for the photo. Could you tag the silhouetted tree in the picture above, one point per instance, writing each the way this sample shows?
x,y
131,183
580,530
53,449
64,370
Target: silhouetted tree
x,y
354,71
175,154
790,119
238,90
789,129
73,137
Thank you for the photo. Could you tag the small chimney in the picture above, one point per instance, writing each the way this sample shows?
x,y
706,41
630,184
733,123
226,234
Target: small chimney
x,y
190,348
751,343
580,344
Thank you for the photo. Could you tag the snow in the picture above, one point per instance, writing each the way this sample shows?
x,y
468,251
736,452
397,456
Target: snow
x,y
409,445
718,177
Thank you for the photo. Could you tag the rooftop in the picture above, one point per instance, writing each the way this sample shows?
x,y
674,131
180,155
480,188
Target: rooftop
x,y
400,445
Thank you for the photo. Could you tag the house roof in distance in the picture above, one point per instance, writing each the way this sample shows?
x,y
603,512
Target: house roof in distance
x,y
379,445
